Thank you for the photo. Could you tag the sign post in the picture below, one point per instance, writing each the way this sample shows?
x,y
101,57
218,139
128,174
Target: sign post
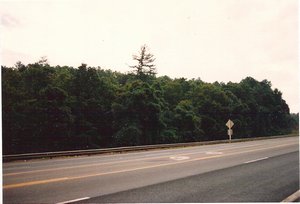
x,y
229,124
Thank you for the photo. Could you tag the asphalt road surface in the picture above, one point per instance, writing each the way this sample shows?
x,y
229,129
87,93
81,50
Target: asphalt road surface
x,y
255,171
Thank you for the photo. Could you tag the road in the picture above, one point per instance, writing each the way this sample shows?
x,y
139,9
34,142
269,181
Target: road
x,y
263,170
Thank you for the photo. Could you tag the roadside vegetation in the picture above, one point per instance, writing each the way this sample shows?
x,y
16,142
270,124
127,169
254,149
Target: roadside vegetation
x,y
47,108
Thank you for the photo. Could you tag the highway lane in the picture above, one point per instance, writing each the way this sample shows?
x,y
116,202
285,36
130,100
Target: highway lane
x,y
265,180
57,180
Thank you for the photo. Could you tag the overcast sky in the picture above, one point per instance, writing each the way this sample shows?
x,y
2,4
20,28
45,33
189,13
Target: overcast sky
x,y
216,40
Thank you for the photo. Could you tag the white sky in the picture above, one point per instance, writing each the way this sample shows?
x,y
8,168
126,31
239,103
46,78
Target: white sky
x,y
216,40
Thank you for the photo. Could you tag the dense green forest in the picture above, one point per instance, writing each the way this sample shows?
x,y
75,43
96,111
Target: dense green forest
x,y
48,108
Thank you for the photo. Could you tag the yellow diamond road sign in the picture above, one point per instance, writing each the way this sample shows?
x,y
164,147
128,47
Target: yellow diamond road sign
x,y
229,124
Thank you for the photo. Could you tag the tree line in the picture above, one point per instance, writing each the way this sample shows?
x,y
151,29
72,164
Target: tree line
x,y
54,108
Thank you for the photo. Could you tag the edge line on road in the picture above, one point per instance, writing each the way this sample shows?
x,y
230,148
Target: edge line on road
x,y
17,185
292,197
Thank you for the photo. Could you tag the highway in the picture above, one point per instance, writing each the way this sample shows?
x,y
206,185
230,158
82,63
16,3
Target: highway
x,y
253,171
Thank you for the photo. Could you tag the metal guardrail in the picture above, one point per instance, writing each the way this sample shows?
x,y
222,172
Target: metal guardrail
x,y
28,156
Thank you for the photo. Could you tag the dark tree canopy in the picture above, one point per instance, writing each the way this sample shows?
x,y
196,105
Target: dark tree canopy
x,y
49,108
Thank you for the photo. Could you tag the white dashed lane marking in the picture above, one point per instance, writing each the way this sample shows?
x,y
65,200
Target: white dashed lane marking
x,y
179,158
255,160
75,200
213,152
